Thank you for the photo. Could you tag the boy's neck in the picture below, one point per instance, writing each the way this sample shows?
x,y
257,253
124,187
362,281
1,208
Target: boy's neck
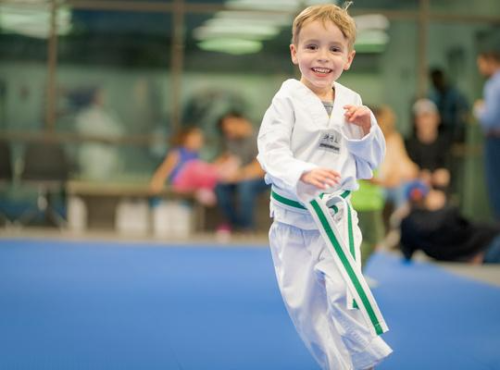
x,y
327,94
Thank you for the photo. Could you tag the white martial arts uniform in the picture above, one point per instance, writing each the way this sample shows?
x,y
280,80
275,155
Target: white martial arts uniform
x,y
297,135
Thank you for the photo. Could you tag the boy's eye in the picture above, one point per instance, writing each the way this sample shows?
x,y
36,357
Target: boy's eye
x,y
335,49
311,47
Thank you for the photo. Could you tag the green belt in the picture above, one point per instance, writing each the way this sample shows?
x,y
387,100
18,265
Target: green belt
x,y
295,204
344,195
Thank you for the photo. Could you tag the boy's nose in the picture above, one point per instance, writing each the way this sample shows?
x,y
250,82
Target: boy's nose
x,y
322,55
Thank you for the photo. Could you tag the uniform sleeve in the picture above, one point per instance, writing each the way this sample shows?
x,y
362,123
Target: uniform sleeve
x,y
369,150
274,144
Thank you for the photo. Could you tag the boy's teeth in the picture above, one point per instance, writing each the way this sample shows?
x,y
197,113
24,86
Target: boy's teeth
x,y
321,70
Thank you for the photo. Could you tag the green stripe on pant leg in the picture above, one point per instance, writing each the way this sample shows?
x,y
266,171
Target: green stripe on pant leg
x,y
352,247
350,232
348,268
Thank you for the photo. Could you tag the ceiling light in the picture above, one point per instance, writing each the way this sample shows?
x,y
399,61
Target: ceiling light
x,y
371,21
231,46
33,22
254,32
277,5
373,41
274,19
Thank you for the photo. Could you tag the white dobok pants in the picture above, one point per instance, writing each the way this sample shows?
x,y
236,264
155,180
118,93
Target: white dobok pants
x,y
315,297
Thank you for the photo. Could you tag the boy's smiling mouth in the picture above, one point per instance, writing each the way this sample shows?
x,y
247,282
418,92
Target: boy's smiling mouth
x,y
321,70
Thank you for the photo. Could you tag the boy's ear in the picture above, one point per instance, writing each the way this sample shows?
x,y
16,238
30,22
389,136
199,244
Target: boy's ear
x,y
350,58
293,54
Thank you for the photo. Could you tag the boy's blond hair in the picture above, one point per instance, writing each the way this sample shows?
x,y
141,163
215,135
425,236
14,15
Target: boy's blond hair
x,y
326,13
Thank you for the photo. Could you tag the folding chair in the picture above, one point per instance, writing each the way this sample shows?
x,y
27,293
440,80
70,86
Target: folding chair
x,y
46,168
6,175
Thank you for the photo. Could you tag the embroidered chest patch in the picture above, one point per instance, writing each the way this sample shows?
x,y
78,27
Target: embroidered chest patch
x,y
330,141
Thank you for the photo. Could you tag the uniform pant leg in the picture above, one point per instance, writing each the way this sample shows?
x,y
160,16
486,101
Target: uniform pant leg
x,y
304,294
365,348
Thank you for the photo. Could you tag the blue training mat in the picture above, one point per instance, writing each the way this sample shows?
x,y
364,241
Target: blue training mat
x,y
75,305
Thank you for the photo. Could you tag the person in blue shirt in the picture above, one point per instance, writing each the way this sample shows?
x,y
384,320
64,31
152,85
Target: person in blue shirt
x,y
452,105
487,112
186,172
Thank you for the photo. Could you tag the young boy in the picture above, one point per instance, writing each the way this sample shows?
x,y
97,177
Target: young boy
x,y
315,141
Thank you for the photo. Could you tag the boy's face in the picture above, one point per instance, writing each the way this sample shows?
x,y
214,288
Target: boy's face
x,y
322,54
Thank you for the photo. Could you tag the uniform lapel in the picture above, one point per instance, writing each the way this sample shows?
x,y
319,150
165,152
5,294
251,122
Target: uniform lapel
x,y
312,103
337,116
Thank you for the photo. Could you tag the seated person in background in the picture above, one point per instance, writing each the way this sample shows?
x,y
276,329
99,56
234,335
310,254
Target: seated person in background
x,y
387,186
240,142
368,201
441,232
186,172
426,147
397,169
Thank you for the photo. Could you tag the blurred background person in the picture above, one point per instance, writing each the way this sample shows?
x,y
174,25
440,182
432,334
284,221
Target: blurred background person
x,y
237,193
385,191
488,113
437,228
427,148
98,159
452,105
186,172
397,169
368,201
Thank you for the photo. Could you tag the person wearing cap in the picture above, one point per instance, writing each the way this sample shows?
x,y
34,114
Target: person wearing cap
x,y
426,148
487,112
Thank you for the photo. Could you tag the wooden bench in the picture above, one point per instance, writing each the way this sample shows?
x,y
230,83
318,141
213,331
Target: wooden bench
x,y
102,198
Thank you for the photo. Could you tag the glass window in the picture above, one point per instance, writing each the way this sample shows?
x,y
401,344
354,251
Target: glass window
x,y
113,73
138,2
24,31
463,7
453,48
256,5
296,5
115,162
389,75
233,61
385,5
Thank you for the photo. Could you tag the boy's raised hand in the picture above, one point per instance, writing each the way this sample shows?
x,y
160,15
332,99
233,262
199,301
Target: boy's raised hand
x,y
358,115
322,178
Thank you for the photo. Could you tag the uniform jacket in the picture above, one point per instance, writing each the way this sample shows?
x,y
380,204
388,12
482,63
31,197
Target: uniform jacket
x,y
297,135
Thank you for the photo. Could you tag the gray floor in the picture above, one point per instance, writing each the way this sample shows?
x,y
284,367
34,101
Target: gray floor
x,y
486,273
